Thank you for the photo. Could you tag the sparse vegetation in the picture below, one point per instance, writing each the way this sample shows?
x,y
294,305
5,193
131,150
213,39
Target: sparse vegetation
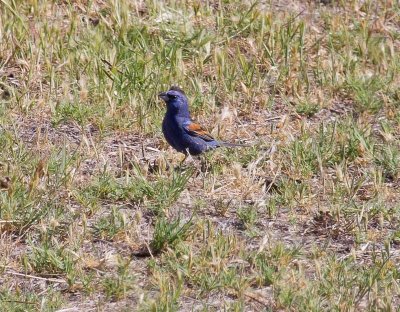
x,y
96,211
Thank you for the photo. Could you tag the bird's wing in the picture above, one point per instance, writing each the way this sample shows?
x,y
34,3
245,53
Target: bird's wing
x,y
197,130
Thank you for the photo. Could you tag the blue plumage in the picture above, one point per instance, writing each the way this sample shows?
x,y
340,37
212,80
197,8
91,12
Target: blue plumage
x,y
180,132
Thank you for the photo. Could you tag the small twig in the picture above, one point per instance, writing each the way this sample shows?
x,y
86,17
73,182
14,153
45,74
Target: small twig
x,y
73,309
292,19
274,118
253,297
54,280
221,188
111,66
152,149
19,301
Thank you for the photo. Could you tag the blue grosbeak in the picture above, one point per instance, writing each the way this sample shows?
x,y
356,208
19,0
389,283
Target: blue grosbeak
x,y
180,132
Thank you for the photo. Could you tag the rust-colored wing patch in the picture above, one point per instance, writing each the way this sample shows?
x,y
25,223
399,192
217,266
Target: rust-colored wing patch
x,y
197,130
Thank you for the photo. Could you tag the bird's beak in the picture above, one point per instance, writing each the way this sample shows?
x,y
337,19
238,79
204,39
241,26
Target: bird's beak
x,y
163,95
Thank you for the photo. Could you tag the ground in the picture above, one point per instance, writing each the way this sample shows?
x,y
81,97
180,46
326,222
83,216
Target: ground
x,y
98,213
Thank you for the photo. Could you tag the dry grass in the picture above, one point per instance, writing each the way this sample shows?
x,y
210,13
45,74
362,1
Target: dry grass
x,y
95,212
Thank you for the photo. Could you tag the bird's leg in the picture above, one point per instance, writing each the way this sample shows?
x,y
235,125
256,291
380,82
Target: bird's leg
x,y
187,156
204,164
183,160
192,162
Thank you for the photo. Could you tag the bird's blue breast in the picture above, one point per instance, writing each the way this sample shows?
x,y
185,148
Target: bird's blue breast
x,y
172,132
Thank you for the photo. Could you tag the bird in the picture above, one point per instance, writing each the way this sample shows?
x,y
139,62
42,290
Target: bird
x,y
181,132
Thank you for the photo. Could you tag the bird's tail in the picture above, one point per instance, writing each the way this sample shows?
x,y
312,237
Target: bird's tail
x,y
227,144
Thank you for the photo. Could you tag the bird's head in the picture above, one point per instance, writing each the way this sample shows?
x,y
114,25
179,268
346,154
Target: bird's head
x,y
176,100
